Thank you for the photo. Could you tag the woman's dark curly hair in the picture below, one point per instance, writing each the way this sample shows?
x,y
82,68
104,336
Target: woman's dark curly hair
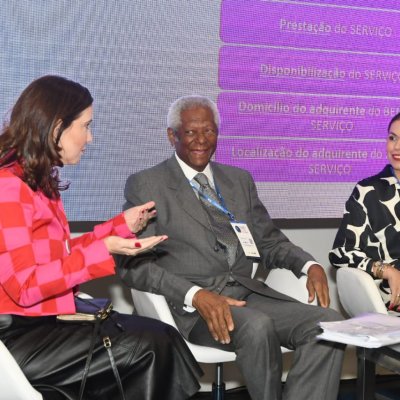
x,y
42,112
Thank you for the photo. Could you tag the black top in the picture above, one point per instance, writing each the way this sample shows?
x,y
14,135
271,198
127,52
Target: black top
x,y
370,228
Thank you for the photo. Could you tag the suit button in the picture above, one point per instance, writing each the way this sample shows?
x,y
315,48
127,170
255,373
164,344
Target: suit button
x,y
216,248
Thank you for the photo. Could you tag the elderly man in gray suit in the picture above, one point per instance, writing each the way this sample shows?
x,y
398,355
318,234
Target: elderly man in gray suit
x,y
206,273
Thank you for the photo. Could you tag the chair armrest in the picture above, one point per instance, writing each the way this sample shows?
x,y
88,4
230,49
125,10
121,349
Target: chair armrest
x,y
284,281
358,292
153,306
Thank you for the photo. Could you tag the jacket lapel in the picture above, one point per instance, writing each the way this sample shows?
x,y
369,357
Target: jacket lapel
x,y
186,199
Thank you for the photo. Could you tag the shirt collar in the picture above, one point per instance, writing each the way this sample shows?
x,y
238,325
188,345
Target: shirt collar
x,y
392,178
190,173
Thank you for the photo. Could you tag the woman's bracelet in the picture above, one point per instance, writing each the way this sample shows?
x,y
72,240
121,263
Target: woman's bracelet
x,y
380,267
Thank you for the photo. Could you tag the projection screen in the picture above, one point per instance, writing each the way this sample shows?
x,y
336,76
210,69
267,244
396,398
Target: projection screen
x,y
305,89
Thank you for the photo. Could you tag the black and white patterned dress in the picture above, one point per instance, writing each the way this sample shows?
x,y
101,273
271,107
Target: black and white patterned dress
x,y
370,228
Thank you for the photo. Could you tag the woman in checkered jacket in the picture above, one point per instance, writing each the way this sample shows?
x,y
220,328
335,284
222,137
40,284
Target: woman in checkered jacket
x,y
41,266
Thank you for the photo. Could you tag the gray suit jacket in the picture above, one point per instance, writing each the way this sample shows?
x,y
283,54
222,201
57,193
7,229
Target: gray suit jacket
x,y
190,255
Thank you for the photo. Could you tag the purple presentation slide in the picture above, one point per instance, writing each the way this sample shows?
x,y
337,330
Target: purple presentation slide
x,y
319,24
308,89
266,69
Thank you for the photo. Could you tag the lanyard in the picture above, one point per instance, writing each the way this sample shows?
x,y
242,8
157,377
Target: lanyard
x,y
220,206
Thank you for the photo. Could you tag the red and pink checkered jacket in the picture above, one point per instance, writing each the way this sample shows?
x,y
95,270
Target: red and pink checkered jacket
x,y
40,265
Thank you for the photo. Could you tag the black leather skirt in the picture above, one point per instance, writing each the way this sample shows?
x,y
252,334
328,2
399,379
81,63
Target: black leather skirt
x,y
153,361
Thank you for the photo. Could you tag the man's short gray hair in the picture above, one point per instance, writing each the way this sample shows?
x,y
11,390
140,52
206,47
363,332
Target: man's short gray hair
x,y
185,103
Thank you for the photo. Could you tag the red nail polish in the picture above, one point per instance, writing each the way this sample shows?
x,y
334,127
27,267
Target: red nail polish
x,y
138,245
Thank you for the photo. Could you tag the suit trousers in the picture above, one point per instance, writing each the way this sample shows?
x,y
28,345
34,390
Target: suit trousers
x,y
261,328
152,359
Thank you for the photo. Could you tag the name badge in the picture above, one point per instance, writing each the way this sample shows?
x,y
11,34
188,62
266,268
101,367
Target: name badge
x,y
246,239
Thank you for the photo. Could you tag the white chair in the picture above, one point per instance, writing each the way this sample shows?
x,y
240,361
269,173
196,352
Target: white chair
x,y
284,281
13,383
155,306
358,292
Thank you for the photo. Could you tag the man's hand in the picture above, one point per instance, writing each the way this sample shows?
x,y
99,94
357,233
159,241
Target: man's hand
x,y
317,284
215,310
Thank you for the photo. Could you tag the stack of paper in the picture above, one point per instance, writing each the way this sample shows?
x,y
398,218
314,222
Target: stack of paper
x,y
368,330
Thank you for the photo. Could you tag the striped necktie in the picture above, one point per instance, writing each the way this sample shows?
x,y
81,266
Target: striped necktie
x,y
219,221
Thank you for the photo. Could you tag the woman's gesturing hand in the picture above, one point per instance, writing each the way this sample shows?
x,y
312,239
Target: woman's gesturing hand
x,y
137,217
393,276
132,247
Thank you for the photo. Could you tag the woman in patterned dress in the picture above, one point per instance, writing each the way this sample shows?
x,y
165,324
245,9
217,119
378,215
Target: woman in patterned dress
x,y
369,234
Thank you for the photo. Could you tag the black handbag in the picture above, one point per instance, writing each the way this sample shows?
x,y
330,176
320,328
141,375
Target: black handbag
x,y
94,311
89,310
5,321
